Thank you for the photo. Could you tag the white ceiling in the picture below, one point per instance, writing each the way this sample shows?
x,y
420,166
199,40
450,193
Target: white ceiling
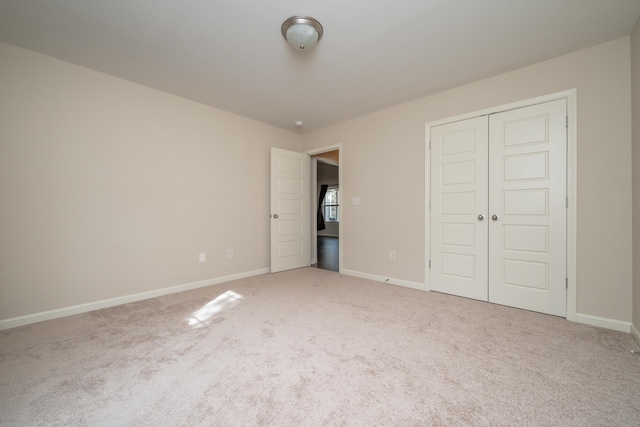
x,y
374,54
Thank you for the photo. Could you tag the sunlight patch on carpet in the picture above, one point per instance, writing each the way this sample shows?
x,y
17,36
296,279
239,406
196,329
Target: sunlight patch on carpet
x,y
203,316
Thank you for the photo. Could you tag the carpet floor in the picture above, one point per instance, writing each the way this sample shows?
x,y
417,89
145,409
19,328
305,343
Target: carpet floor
x,y
311,347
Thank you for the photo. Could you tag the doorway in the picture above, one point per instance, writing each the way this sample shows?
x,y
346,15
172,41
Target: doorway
x,y
326,218
328,212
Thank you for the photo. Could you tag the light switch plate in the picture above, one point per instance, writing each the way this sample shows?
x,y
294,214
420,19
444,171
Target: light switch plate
x,y
355,200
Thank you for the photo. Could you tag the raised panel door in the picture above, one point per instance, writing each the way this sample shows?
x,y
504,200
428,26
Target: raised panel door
x,y
527,194
290,217
458,197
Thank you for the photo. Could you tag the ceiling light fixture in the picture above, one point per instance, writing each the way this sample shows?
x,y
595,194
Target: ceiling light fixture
x,y
302,32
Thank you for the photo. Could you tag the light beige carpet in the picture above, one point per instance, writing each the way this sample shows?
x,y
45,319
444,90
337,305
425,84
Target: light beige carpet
x,y
310,347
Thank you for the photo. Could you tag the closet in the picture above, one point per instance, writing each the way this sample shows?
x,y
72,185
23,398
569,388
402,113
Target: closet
x,y
498,194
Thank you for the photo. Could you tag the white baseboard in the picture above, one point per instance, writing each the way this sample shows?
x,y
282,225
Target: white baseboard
x,y
97,305
383,279
603,322
635,333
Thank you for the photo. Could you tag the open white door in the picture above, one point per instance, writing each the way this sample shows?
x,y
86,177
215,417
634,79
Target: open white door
x,y
290,215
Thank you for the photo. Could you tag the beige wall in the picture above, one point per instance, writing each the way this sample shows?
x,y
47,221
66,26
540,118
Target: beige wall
x,y
635,87
383,161
108,188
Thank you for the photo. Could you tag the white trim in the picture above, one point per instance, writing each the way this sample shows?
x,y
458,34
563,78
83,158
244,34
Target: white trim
x,y
565,94
635,333
427,208
314,191
383,279
572,182
572,208
326,149
603,322
97,305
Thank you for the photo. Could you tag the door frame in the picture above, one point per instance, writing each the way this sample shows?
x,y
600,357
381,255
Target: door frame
x,y
314,201
570,96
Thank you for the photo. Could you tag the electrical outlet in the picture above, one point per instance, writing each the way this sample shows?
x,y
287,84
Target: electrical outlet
x,y
202,257
392,255
229,253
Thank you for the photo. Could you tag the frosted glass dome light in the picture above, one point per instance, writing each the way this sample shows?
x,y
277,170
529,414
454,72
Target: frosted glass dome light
x,y
302,32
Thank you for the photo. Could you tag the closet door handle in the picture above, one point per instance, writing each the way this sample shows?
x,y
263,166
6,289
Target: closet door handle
x,y
495,217
481,217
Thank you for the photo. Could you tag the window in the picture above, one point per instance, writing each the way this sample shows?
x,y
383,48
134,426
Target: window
x,y
331,205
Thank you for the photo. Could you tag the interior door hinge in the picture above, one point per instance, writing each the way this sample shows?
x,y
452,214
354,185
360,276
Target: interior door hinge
x,y
429,144
566,202
429,204
429,263
566,283
566,122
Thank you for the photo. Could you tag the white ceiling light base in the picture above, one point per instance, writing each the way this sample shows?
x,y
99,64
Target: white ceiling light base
x,y
302,32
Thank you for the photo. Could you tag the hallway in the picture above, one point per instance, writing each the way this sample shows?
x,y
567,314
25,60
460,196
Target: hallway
x,y
328,253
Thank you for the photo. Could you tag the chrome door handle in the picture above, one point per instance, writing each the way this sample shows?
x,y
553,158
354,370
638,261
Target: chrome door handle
x,y
481,217
495,217
275,215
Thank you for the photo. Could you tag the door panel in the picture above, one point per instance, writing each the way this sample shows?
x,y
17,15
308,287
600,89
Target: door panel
x,y
527,191
511,168
458,196
290,216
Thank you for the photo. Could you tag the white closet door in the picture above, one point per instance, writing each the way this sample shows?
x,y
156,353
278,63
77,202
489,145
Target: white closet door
x,y
459,208
527,213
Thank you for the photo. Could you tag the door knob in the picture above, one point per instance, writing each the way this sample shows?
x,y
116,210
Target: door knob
x,y
481,217
495,217
275,215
